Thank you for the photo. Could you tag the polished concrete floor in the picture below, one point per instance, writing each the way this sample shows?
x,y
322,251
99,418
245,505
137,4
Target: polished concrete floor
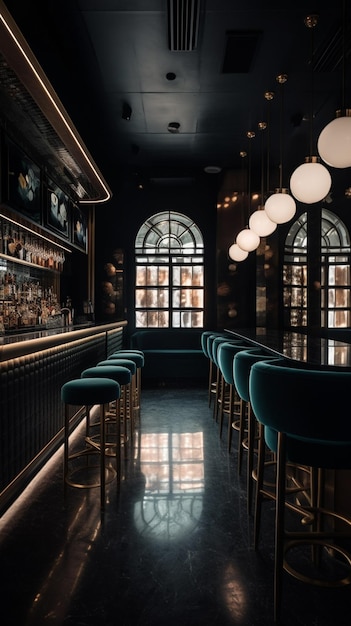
x,y
174,549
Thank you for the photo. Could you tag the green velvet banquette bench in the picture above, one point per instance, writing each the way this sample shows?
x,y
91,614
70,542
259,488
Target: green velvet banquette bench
x,y
171,353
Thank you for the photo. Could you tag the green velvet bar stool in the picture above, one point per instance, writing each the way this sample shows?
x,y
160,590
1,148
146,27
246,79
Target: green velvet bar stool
x,y
113,438
214,344
304,414
204,346
138,357
213,370
234,407
87,393
127,411
242,363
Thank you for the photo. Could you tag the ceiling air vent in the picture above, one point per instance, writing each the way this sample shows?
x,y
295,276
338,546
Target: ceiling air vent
x,y
183,24
240,51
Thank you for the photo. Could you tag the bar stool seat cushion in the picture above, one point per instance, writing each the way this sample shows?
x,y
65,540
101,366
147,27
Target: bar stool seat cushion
x,y
120,374
138,358
128,363
90,391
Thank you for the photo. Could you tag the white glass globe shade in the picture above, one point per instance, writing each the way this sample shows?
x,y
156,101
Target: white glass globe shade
x,y
260,223
248,240
334,142
236,253
310,182
280,207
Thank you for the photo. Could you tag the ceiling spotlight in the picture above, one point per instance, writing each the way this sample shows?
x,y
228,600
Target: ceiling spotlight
x,y
173,127
212,169
126,111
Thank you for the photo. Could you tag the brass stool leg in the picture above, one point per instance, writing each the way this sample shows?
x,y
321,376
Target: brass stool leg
x,y
102,456
118,442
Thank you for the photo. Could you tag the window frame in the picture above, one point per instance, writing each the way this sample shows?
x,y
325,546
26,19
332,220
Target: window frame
x,y
169,273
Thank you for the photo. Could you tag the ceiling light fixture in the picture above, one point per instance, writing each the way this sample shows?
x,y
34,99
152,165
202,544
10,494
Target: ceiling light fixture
x,y
281,206
311,181
212,169
247,239
334,142
236,253
259,221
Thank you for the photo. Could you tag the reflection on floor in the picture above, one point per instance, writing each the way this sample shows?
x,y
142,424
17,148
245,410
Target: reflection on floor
x,y
173,549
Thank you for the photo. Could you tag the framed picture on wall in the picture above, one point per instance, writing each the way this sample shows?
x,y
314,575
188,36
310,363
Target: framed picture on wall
x,y
58,210
80,227
24,183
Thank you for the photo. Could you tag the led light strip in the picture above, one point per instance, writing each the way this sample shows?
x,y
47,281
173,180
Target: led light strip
x,y
72,133
53,243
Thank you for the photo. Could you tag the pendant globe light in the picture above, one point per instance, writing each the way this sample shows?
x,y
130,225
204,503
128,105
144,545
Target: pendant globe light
x,y
236,253
259,221
334,142
280,206
311,181
247,239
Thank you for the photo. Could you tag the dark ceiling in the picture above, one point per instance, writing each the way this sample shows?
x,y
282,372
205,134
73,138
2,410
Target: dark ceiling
x,y
110,58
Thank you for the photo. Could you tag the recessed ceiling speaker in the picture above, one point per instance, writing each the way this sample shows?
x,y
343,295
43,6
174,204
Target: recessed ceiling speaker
x,y
126,111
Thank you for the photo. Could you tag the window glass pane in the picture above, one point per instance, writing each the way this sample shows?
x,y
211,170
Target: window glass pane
x,y
197,319
152,239
151,275
197,298
141,275
341,297
198,275
140,319
176,298
163,275
342,275
185,275
185,298
176,275
176,319
140,298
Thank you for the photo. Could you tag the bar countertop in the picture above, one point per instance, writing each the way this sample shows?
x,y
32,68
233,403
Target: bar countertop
x,y
302,347
14,345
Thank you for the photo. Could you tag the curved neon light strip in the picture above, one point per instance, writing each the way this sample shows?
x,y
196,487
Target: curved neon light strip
x,y
80,147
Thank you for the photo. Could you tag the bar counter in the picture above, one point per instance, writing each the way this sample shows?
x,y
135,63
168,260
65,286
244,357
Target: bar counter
x,y
325,352
33,368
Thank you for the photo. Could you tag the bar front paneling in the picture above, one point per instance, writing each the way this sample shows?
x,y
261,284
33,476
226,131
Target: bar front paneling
x,y
32,373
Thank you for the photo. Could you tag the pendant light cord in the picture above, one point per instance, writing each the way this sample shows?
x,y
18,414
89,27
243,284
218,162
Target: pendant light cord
x,y
312,90
250,135
343,72
311,22
281,79
269,95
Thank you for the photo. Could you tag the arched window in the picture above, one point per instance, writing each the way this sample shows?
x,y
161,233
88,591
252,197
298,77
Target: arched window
x,y
335,273
169,282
